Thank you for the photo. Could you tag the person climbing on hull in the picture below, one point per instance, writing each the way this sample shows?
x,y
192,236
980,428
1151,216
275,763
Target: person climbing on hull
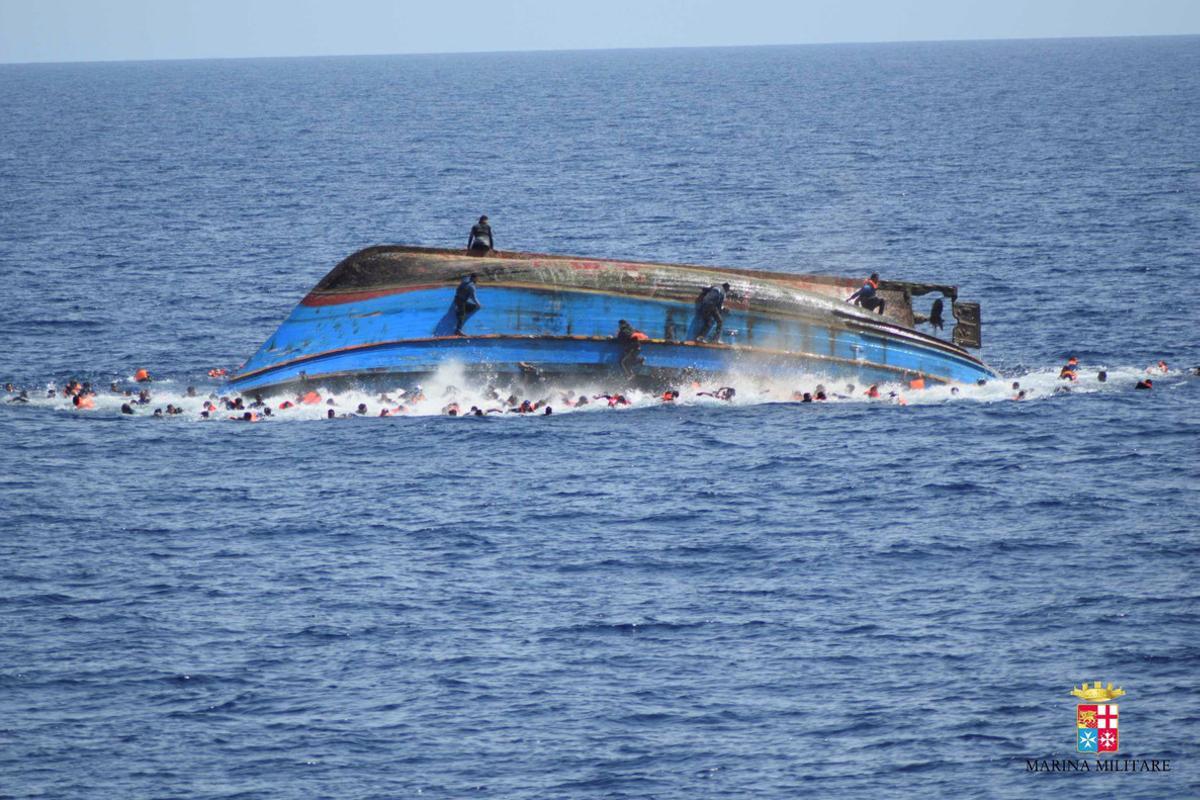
x,y
630,341
709,307
466,302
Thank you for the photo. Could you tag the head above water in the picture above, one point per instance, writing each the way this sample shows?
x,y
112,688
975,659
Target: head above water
x,y
483,220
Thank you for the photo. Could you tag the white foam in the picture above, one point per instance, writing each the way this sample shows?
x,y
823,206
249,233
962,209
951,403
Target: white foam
x,y
451,385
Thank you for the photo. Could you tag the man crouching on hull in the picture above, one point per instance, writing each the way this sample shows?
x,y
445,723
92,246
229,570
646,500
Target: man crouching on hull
x,y
866,296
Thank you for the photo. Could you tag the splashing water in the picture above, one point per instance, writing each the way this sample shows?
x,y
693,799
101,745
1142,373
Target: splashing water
x,y
450,388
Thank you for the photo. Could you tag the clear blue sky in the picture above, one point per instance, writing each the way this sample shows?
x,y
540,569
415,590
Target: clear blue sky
x,y
92,30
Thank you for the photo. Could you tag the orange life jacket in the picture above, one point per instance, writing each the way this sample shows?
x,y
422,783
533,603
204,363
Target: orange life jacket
x,y
310,398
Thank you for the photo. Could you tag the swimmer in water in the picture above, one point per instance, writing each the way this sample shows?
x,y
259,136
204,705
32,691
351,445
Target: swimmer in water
x,y
548,411
330,414
873,392
361,410
807,398
1144,383
1102,376
1020,395
726,393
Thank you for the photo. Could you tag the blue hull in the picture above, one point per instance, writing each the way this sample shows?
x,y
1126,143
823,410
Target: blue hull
x,y
399,330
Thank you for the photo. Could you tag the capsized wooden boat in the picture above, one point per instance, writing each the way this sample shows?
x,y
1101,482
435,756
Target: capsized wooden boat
x,y
386,313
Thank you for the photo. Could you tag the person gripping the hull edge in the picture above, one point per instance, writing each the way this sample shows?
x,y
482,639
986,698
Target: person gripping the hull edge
x,y
867,296
480,242
630,341
466,302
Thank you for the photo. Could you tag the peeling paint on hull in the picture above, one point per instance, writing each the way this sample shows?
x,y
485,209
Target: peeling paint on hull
x,y
388,311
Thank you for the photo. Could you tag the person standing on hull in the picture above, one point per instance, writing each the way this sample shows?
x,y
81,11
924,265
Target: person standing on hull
x,y
709,309
867,297
481,241
466,302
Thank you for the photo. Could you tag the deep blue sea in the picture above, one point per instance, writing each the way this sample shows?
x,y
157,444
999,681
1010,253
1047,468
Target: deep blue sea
x,y
752,600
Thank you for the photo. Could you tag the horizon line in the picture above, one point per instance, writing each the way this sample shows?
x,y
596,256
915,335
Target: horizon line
x,y
603,49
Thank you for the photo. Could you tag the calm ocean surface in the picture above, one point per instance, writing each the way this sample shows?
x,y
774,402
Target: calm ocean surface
x,y
732,601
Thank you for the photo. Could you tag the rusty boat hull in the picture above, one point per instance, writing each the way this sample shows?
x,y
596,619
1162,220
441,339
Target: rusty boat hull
x,y
386,314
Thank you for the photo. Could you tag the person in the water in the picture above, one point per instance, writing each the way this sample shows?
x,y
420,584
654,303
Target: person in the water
x,y
867,296
466,302
709,307
481,241
726,393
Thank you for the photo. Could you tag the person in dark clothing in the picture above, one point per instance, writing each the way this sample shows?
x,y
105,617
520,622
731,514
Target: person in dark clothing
x,y
709,306
867,297
481,241
631,348
466,302
935,314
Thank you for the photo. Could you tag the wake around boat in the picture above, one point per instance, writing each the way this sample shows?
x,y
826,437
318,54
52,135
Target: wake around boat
x,y
390,313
